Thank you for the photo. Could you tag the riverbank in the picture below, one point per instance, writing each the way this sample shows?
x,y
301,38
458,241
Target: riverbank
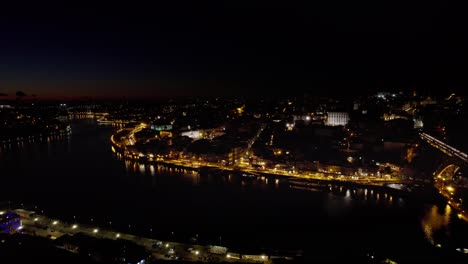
x,y
54,228
201,167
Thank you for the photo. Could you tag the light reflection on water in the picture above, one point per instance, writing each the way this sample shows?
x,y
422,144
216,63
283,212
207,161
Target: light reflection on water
x,y
340,202
142,168
192,177
348,194
435,222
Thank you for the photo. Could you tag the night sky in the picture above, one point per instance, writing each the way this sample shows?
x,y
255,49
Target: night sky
x,y
214,48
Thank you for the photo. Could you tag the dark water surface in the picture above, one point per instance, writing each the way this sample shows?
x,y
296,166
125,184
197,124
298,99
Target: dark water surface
x,y
79,176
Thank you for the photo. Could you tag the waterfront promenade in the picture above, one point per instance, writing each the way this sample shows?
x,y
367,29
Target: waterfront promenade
x,y
119,147
53,228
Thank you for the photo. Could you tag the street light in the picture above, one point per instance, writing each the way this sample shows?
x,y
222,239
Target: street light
x,y
95,230
55,222
74,226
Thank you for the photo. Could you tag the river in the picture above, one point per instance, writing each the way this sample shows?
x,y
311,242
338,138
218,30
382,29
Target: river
x,y
79,178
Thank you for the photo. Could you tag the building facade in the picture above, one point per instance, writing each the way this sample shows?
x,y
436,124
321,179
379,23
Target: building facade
x,y
337,119
9,222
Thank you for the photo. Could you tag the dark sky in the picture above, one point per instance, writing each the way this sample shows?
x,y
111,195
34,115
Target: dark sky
x,y
210,47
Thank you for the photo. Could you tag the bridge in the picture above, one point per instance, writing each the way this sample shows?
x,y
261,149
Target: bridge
x,y
447,149
94,112
445,177
454,161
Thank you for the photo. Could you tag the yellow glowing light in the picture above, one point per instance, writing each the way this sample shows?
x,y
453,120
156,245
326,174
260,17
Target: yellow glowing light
x,y
117,235
95,230
228,255
197,252
2,212
55,222
74,226
450,188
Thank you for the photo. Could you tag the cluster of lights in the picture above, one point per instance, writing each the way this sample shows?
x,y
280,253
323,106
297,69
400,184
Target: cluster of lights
x,y
263,257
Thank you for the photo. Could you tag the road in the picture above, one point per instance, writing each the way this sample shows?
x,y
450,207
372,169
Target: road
x,y
447,149
195,164
44,226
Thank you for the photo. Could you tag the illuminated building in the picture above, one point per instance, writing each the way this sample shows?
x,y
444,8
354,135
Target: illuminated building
x,y
418,122
161,127
193,134
337,119
9,222
204,133
393,116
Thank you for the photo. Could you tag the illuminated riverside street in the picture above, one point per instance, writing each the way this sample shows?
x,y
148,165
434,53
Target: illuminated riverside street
x,y
43,226
179,204
446,187
129,139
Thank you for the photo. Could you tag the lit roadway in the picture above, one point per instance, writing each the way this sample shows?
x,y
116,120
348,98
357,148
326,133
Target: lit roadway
x,y
53,228
447,149
198,163
442,181
251,142
448,191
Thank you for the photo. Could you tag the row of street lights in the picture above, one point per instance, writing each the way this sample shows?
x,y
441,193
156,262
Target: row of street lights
x,y
75,226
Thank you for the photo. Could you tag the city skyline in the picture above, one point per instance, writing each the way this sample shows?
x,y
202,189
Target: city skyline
x,y
225,132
